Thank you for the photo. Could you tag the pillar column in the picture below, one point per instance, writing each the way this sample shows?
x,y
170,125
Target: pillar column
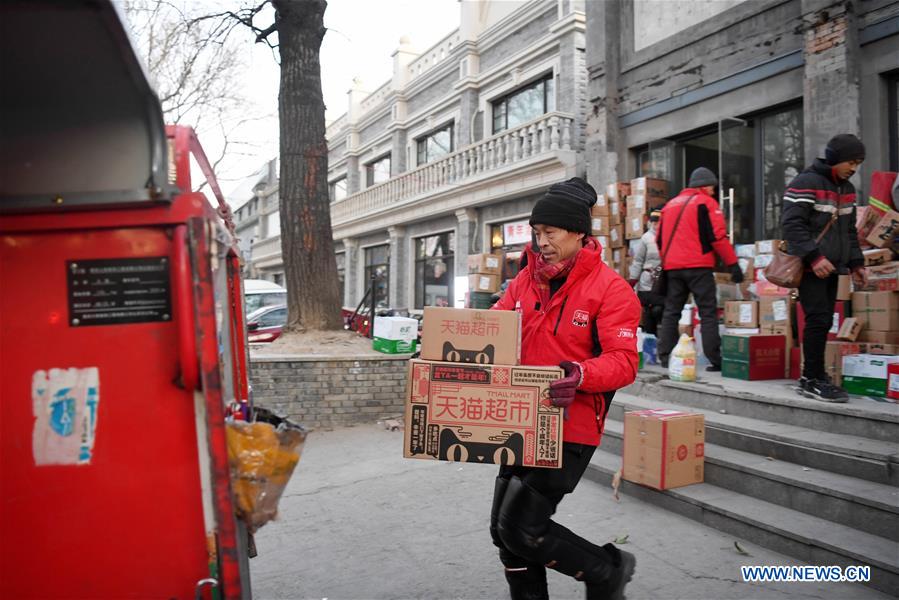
x,y
351,271
398,293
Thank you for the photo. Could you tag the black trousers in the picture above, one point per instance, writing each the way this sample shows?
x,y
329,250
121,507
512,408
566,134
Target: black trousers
x,y
817,297
653,308
524,500
681,283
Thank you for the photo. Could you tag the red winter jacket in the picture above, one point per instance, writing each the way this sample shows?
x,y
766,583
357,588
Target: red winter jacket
x,y
700,234
591,320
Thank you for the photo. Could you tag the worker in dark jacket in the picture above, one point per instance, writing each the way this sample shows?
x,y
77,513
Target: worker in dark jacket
x,y
819,195
577,313
688,258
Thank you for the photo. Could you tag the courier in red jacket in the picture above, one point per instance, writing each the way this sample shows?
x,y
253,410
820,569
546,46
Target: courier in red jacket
x,y
691,233
581,315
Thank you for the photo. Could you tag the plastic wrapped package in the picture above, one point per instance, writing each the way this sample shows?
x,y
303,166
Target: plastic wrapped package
x,y
262,456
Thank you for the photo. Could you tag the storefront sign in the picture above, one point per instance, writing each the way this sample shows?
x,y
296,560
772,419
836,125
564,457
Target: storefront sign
x,y
516,232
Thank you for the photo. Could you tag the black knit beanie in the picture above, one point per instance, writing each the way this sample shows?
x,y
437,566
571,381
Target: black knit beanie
x,y
566,205
843,148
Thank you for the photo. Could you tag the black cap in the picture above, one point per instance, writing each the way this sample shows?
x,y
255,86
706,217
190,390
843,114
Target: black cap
x,y
702,177
843,148
566,205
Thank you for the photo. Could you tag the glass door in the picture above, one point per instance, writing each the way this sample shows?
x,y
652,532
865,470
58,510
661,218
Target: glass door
x,y
736,176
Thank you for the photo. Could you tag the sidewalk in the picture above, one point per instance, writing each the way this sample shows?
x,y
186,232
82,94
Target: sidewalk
x,y
360,522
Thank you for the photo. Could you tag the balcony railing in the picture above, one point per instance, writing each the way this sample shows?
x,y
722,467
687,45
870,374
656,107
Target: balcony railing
x,y
267,248
544,136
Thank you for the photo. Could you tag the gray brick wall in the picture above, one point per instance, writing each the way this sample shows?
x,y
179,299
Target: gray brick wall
x,y
441,88
525,36
375,129
329,392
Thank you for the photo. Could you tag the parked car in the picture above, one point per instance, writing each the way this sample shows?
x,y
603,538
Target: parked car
x,y
266,324
259,293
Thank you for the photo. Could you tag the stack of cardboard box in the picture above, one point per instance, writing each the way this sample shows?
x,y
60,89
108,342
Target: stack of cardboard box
x,y
607,224
484,274
469,400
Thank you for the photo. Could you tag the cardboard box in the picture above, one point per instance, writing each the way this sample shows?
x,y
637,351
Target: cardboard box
x,y
471,336
883,278
636,205
871,336
753,357
775,315
844,287
395,335
893,382
762,261
766,246
747,265
486,264
877,256
742,313
616,236
649,187
615,212
618,191
849,330
634,226
602,207
601,225
878,311
833,358
866,374
492,414
483,283
795,361
884,230
839,313
745,250
663,449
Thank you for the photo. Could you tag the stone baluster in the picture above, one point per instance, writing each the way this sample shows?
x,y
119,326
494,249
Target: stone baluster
x,y
525,143
544,135
566,134
554,133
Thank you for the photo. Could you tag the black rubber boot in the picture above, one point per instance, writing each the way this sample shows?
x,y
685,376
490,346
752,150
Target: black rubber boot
x,y
499,490
612,588
528,583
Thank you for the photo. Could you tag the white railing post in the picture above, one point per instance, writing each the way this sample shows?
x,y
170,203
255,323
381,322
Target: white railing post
x,y
566,134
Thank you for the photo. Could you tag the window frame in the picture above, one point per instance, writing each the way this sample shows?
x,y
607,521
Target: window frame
x,y
332,186
422,141
368,266
503,100
370,170
450,260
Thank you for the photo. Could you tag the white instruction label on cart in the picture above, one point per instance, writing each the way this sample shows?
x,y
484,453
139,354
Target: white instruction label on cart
x,y
65,404
745,313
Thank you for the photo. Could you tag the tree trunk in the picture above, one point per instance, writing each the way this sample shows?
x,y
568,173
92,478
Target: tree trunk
x,y
307,245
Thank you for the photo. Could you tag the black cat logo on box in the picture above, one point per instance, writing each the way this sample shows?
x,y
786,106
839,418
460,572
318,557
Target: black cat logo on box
x,y
503,449
479,357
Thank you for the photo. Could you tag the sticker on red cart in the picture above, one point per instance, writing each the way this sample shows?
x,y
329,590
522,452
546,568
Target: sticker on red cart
x,y
65,404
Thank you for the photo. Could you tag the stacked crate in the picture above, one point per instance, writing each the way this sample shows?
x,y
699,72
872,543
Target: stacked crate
x,y
484,278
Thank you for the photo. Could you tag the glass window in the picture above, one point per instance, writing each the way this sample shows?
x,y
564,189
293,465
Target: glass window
x,y
341,273
435,145
274,318
509,239
377,273
273,224
434,270
377,171
524,104
782,160
337,189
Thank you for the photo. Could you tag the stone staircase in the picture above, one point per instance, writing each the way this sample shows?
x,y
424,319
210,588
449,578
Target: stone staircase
x,y
816,481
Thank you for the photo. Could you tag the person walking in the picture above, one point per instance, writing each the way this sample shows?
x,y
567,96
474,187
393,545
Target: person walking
x,y
579,314
646,259
819,198
691,232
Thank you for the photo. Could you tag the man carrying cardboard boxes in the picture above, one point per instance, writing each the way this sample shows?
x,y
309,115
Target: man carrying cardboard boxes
x,y
579,314
821,198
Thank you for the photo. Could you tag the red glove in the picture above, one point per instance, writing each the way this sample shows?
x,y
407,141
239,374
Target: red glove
x,y
561,391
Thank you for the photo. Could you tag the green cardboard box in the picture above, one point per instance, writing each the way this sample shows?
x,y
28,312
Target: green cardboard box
x,y
393,346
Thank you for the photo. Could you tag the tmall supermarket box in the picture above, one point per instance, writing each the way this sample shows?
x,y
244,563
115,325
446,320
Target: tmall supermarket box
x,y
663,449
491,414
470,335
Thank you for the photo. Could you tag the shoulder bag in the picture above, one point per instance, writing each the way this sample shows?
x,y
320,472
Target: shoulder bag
x,y
658,275
785,269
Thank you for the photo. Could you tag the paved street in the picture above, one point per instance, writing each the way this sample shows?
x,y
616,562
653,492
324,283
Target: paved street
x,y
360,522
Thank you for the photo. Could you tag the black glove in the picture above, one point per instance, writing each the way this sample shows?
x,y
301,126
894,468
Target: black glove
x,y
736,273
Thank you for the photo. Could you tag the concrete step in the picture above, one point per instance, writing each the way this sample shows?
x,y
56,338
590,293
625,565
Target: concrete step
x,y
809,538
864,505
774,401
856,456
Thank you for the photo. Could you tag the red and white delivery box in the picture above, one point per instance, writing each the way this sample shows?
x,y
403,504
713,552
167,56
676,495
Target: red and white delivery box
x,y
663,449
